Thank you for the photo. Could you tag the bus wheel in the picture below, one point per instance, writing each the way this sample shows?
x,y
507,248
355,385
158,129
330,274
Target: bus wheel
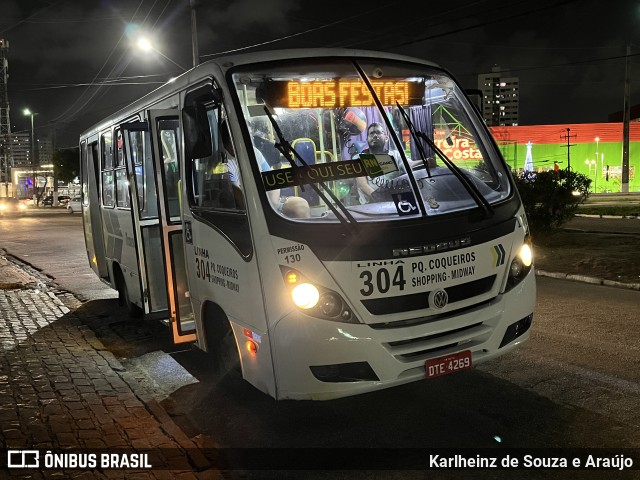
x,y
221,343
133,310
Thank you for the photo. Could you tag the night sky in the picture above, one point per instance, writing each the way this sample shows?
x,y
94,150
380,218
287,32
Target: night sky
x,y
73,62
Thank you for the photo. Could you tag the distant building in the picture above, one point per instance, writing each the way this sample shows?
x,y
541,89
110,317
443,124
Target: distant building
x,y
500,97
25,170
21,149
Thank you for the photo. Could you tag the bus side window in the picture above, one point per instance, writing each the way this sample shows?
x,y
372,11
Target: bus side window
x,y
216,181
122,184
168,133
108,197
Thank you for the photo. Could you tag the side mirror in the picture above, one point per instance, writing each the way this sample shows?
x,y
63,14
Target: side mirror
x,y
197,132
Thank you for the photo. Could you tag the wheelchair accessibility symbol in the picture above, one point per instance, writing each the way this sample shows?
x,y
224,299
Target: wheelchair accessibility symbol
x,y
405,203
188,235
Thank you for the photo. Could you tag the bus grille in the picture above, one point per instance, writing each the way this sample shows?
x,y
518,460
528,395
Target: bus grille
x,y
419,301
422,348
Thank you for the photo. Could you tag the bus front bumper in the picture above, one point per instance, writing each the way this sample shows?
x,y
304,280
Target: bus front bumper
x,y
321,360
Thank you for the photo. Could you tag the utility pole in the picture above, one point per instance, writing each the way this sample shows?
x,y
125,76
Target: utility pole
x,y
5,125
194,34
568,137
626,114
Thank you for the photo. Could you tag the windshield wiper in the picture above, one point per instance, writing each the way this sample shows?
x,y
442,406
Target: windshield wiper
x,y
287,150
457,172
394,135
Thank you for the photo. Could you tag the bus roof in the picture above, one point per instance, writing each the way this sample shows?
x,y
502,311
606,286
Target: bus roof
x,y
224,63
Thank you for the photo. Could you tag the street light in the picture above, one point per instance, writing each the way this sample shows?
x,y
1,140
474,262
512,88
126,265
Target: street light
x,y
28,112
145,45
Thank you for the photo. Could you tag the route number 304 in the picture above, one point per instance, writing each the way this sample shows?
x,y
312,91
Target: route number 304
x,y
382,280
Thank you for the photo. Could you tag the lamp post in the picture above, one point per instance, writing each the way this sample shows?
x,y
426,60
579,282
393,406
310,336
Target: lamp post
x,y
594,164
194,34
595,185
28,112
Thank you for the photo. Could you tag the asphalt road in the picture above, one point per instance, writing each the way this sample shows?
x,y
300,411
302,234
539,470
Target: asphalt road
x,y
575,384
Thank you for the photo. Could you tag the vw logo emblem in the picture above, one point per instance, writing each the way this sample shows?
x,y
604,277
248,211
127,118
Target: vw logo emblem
x,y
438,299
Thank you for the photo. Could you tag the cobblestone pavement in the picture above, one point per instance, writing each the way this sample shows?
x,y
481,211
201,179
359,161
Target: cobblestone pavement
x,y
60,389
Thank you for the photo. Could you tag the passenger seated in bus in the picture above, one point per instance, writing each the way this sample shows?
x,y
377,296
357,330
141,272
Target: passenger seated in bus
x,y
296,207
292,207
261,140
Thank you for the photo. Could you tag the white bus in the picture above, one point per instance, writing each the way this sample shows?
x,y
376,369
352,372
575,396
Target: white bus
x,y
249,202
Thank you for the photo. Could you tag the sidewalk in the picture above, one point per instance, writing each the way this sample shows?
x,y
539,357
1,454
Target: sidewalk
x,y
593,249
61,389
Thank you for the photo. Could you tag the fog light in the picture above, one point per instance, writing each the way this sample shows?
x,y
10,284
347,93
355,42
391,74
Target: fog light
x,y
305,295
330,304
516,268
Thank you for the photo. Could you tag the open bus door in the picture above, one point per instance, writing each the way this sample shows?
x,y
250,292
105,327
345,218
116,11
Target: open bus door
x,y
92,213
165,140
150,221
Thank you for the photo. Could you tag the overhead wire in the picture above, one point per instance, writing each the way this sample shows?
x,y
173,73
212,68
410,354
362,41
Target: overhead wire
x,y
37,12
293,35
483,24
69,113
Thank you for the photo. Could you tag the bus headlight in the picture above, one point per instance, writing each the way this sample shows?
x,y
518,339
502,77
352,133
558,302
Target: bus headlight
x,y
526,255
21,206
317,301
521,264
305,295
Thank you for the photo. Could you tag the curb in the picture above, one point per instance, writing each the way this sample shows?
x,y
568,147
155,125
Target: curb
x,y
593,215
587,279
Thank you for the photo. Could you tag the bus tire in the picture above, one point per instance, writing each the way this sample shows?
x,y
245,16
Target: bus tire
x,y
221,345
133,310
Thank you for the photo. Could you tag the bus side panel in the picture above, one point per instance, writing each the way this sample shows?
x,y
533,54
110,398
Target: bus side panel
x,y
218,274
121,250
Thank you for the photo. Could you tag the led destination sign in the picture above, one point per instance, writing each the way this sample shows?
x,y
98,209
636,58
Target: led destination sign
x,y
339,93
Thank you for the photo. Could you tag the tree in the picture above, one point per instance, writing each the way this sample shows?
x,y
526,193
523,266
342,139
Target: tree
x,y
551,198
66,164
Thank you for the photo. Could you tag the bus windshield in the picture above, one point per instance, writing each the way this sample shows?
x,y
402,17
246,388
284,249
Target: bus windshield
x,y
367,140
